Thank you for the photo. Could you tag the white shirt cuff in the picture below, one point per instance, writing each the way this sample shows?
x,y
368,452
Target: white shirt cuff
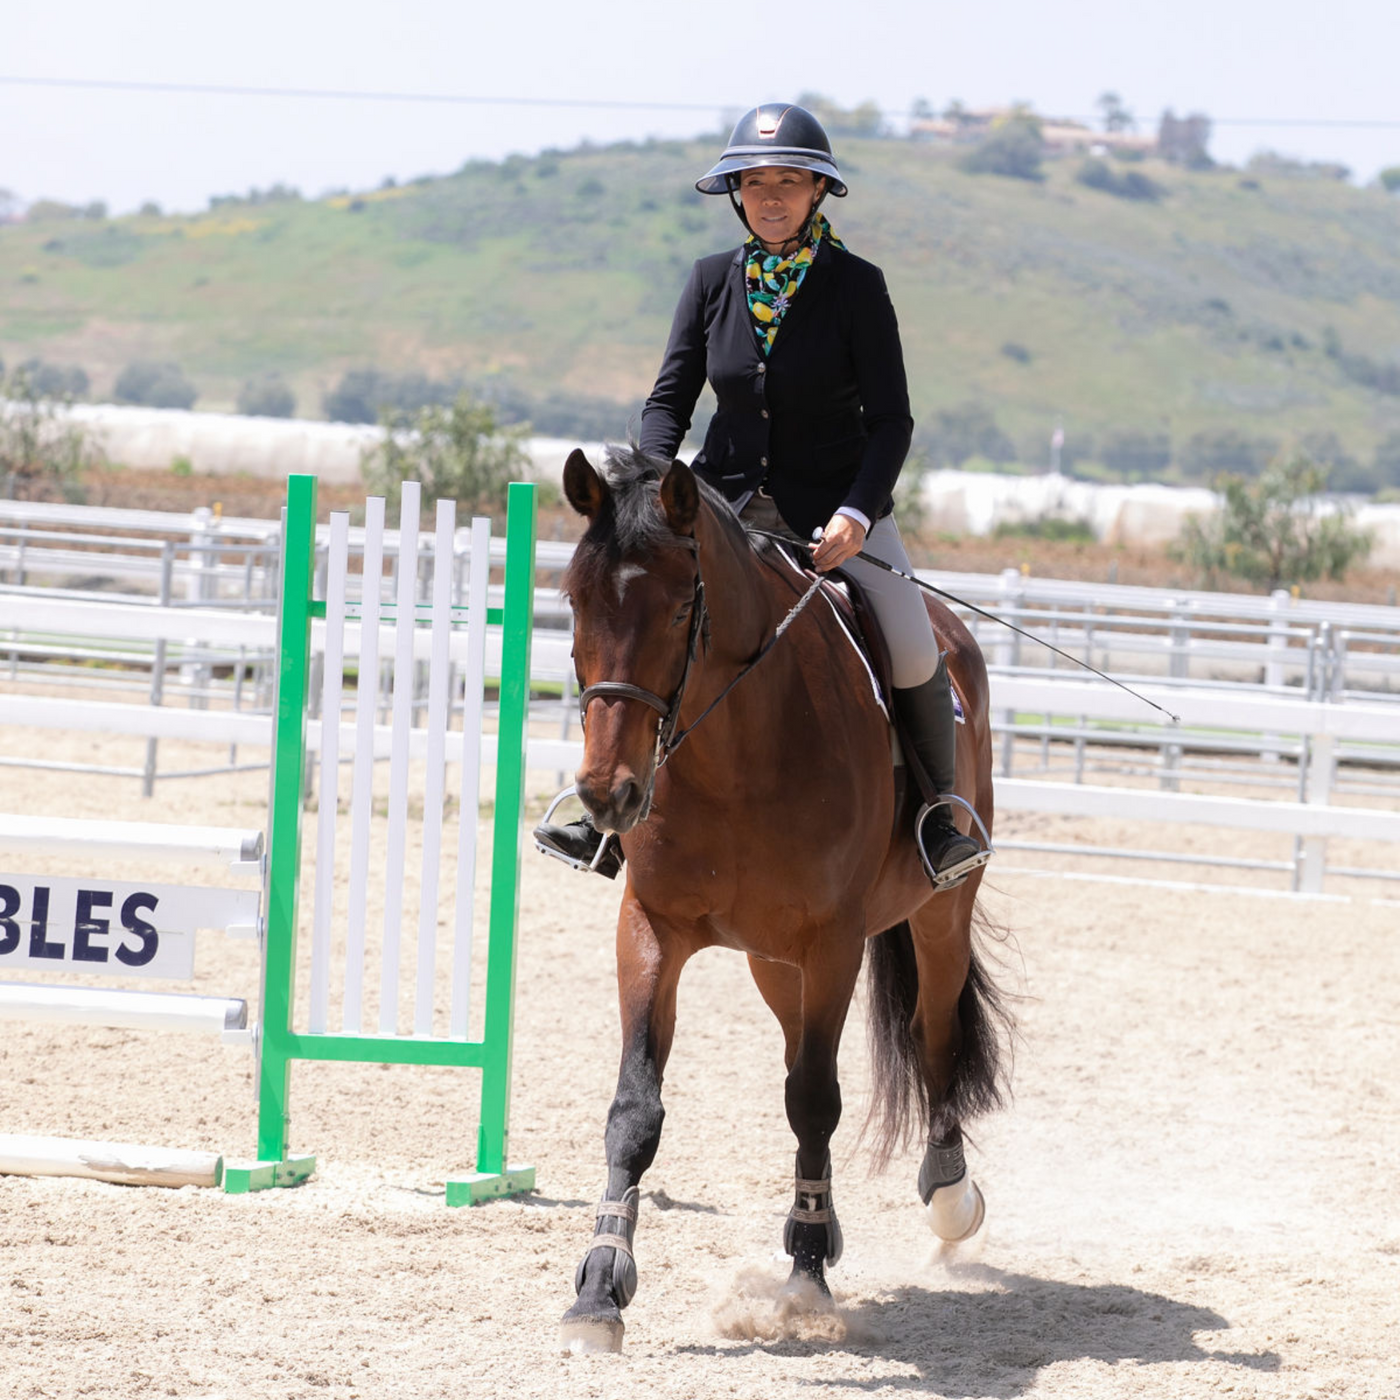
x,y
859,517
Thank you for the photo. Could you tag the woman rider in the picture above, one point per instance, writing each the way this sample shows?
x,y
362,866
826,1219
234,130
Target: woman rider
x,y
799,341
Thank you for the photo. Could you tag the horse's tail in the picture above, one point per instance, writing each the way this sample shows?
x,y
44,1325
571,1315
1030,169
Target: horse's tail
x,y
981,1070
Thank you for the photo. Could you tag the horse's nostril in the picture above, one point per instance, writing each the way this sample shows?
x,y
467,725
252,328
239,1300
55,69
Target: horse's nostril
x,y
625,795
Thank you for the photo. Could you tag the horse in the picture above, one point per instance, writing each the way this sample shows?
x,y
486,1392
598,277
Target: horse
x,y
756,805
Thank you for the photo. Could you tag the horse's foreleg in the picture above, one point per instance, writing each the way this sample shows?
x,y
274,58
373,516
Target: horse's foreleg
x,y
648,969
812,1235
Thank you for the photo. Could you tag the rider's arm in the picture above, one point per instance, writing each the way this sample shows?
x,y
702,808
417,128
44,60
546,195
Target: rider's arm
x,y
666,417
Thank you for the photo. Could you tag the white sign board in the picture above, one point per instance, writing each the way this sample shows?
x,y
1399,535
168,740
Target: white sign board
x,y
123,928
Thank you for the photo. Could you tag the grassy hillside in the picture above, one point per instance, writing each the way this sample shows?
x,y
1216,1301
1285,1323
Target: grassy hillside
x,y
1269,305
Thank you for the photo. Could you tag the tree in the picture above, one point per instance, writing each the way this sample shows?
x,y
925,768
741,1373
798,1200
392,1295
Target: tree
x,y
1137,453
1013,147
1183,140
1215,450
362,395
42,454
1390,179
267,397
1273,531
1127,184
1116,117
1387,462
50,381
155,384
458,452
969,430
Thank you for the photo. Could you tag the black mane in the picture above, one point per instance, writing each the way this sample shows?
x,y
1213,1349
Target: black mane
x,y
630,523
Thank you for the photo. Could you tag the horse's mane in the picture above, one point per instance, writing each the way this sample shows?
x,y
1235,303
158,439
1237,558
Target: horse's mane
x,y
630,523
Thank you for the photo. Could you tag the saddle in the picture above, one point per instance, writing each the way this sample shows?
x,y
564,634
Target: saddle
x,y
847,600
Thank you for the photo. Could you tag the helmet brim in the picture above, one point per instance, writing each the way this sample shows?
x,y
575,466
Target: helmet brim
x,y
718,179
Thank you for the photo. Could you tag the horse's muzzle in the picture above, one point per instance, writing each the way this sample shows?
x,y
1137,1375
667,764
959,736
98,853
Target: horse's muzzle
x,y
618,808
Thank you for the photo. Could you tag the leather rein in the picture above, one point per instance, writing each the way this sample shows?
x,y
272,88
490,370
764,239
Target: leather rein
x,y
668,740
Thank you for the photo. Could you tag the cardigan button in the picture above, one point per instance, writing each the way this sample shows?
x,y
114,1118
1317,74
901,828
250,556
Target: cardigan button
x,y
763,412
762,368
763,461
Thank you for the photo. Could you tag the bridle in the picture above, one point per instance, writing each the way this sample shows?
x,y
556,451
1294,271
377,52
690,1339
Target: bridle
x,y
668,740
669,710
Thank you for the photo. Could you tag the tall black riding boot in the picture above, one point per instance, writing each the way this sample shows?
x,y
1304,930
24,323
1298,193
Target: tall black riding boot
x,y
926,714
578,844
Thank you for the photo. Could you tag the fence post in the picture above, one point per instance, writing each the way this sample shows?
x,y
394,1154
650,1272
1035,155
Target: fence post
x,y
511,736
284,819
1322,768
1009,655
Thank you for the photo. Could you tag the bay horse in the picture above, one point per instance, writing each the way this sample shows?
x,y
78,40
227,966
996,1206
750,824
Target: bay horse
x,y
774,830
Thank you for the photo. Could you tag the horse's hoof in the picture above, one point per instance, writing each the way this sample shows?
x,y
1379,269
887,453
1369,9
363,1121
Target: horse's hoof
x,y
956,1211
579,1335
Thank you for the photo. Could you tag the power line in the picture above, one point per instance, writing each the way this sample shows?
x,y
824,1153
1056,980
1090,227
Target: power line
x,y
598,103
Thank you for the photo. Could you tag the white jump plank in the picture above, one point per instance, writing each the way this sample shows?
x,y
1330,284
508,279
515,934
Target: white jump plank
x,y
332,686
362,788
473,703
78,836
435,780
123,1163
402,722
147,1011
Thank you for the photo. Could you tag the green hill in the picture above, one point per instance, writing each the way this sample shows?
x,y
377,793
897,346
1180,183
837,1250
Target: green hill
x,y
1263,307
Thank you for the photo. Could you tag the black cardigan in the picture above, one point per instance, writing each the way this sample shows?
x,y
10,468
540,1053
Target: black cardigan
x,y
823,421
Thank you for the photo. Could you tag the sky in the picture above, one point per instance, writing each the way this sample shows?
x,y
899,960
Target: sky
x,y
1313,80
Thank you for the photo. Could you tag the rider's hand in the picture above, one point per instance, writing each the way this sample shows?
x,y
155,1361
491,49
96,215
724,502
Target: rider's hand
x,y
842,539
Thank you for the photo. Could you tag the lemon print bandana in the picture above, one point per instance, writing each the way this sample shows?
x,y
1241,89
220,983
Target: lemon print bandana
x,y
771,280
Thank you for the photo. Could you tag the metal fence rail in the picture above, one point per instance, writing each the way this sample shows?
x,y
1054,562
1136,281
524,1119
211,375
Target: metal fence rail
x,y
174,611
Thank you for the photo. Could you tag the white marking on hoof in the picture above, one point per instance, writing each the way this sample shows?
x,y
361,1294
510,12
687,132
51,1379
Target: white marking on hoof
x,y
956,1211
591,1335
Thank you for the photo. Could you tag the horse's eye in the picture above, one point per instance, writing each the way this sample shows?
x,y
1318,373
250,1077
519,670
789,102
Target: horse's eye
x,y
682,613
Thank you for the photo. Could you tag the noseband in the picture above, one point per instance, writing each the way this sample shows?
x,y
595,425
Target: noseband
x,y
669,710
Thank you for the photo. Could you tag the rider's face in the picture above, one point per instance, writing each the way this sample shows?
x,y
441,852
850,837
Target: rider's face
x,y
778,201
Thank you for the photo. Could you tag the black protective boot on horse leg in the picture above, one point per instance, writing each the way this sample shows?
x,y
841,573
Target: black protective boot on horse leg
x,y
926,714
812,1234
954,1201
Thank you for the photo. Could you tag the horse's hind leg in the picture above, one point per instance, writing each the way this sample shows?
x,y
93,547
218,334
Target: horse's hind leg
x,y
811,1004
648,968
958,1051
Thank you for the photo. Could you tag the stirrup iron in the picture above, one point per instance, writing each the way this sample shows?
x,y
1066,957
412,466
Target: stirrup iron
x,y
955,874
605,845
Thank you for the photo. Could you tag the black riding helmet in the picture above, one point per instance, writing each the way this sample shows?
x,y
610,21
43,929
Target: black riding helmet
x,y
774,135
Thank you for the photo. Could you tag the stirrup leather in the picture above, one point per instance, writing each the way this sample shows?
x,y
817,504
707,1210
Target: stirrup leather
x,y
955,874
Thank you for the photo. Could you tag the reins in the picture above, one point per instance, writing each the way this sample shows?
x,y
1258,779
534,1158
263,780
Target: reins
x,y
668,740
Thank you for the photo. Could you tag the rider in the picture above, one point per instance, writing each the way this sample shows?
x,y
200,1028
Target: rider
x,y
799,341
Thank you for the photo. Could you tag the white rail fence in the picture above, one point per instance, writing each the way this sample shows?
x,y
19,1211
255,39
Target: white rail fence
x,y
1296,699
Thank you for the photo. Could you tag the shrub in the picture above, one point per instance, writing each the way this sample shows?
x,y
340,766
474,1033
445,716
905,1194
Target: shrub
x,y
55,381
1014,350
1387,460
1272,532
1216,450
1012,148
1125,184
363,395
42,454
267,397
155,384
1136,453
458,451
970,430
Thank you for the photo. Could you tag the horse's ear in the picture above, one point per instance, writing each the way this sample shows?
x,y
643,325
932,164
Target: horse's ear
x,y
583,487
680,498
